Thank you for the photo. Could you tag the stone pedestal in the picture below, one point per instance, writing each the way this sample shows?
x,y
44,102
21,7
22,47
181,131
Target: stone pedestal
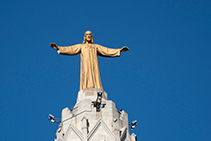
x,y
84,123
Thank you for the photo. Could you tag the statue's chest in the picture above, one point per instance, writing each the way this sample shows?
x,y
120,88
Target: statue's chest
x,y
88,48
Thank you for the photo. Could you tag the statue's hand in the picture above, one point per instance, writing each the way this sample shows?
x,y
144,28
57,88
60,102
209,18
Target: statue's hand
x,y
53,45
123,49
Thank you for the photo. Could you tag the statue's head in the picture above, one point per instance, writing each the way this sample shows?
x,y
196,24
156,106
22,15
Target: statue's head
x,y
88,37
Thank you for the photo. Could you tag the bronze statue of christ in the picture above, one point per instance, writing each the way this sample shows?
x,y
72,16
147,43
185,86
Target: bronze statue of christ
x,y
90,74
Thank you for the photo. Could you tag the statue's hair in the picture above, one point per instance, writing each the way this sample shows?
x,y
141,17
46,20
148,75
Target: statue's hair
x,y
85,38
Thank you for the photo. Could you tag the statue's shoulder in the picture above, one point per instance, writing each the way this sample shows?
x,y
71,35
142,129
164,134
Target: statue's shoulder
x,y
88,45
78,45
96,45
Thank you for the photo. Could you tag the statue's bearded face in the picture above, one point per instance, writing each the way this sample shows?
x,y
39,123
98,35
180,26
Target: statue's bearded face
x,y
88,36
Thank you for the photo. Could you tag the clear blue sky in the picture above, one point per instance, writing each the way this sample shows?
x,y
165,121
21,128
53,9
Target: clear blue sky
x,y
163,81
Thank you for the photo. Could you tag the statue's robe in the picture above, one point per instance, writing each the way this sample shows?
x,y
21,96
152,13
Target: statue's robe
x,y
89,75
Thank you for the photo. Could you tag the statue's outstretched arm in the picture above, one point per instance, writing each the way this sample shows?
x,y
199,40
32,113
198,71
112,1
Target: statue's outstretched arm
x,y
109,52
68,50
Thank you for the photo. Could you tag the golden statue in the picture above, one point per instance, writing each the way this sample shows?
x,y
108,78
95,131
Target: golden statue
x,y
90,75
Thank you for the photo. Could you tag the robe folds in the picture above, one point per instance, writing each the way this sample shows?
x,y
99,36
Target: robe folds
x,y
89,74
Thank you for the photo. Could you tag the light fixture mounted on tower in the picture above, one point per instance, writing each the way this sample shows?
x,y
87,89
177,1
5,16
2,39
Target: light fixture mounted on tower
x,y
98,101
133,124
53,120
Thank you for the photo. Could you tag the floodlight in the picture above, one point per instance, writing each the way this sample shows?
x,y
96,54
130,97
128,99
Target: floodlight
x,y
132,127
98,101
100,93
53,120
134,122
50,117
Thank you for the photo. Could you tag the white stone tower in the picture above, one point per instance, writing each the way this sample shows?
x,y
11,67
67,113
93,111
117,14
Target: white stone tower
x,y
94,118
